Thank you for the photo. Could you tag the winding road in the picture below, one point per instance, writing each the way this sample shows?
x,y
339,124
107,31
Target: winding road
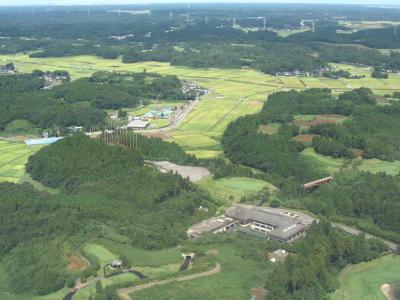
x,y
392,246
124,294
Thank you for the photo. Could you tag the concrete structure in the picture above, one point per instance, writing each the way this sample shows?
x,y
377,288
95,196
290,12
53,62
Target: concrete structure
x,y
264,222
214,225
137,124
116,264
315,183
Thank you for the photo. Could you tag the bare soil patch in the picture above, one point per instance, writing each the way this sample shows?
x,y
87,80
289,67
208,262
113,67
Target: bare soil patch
x,y
304,138
301,123
193,173
259,293
214,252
387,290
161,134
358,152
75,263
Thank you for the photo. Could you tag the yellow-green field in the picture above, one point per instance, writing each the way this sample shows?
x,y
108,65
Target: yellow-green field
x,y
363,281
233,92
13,157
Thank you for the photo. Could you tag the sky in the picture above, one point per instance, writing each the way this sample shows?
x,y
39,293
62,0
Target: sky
x,y
98,2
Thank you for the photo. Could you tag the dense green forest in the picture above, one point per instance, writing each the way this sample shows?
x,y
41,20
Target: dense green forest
x,y
371,198
66,104
101,186
311,272
207,35
38,106
369,127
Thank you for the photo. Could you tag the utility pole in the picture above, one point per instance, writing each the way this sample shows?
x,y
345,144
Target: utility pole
x,y
264,23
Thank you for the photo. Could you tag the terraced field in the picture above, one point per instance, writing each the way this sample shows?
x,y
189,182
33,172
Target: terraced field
x,y
13,156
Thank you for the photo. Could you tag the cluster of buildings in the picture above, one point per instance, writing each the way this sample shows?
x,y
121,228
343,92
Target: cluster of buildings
x,y
8,69
192,90
264,222
140,123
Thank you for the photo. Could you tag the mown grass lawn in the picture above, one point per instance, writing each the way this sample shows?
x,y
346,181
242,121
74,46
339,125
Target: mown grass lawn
x,y
234,188
363,281
327,163
235,281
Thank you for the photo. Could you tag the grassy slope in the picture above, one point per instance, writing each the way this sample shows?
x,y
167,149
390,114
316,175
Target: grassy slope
x,y
363,281
138,257
237,187
237,278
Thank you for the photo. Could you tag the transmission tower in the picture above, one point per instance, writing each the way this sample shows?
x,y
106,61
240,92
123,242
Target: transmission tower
x,y
264,23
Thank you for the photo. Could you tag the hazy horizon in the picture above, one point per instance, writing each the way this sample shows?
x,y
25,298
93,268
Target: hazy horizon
x,y
127,2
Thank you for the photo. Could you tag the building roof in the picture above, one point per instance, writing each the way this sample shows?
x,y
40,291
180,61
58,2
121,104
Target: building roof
x,y
317,182
138,124
209,225
285,224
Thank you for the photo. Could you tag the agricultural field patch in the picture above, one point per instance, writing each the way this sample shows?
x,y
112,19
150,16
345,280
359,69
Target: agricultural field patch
x,y
305,138
269,129
13,157
233,92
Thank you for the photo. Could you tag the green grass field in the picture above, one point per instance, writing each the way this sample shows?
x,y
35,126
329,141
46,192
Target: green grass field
x,y
150,263
363,281
102,254
235,281
138,257
233,92
13,157
328,163
377,166
237,187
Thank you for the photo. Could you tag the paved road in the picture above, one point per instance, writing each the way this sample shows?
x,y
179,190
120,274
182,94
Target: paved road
x,y
392,246
124,293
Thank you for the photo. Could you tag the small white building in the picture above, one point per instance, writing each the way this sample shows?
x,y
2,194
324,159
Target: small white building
x,y
137,125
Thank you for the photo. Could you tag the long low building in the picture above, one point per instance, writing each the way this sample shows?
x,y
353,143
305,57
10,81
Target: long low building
x,y
270,223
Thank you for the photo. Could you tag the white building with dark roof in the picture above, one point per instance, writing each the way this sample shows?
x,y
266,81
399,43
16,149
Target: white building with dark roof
x,y
270,223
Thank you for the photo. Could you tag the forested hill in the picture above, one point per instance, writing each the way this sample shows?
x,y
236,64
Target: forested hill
x,y
368,127
80,102
100,186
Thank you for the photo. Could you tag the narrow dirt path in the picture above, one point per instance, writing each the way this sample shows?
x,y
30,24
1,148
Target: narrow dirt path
x,y
124,293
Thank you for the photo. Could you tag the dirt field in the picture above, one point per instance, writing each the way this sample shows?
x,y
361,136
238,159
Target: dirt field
x,y
193,173
304,138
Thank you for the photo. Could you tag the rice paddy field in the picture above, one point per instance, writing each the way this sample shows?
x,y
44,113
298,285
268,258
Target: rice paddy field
x,y
13,157
363,281
233,92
